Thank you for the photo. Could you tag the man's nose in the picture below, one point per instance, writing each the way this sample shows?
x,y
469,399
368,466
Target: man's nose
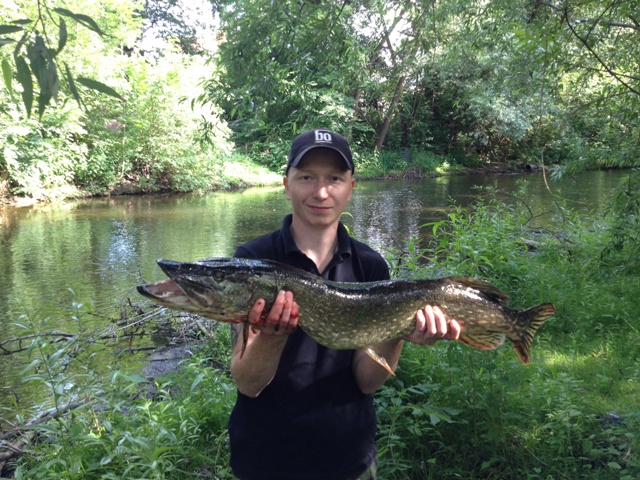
x,y
322,189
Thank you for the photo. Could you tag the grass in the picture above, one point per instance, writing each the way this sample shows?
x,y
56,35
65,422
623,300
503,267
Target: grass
x,y
240,171
451,411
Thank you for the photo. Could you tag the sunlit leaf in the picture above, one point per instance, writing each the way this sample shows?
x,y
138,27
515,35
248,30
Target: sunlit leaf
x,y
6,29
72,86
99,87
24,78
62,35
6,74
85,20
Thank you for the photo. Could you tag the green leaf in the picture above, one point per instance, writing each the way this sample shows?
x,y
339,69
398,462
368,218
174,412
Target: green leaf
x,y
133,378
19,45
22,21
6,41
82,19
62,35
29,367
6,29
72,86
99,87
45,71
89,22
24,78
6,74
159,451
197,380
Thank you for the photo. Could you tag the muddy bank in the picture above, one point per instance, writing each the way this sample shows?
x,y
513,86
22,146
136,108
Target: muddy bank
x,y
166,360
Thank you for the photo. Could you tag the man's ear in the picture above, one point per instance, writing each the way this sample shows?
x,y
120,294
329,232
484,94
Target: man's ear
x,y
285,182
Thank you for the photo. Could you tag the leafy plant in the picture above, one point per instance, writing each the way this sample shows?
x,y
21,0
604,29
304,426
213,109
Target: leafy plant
x,y
35,57
565,415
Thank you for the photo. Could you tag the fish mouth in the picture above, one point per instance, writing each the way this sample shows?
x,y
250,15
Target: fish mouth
x,y
174,292
167,293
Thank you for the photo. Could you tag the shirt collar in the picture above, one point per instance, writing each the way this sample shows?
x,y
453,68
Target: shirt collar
x,y
344,240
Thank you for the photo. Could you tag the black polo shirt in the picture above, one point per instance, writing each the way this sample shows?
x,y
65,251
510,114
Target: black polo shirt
x,y
311,422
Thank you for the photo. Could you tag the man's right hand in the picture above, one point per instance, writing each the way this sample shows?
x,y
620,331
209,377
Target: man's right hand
x,y
282,319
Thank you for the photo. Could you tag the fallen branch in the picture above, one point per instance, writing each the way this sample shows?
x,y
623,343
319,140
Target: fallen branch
x,y
202,328
17,439
20,340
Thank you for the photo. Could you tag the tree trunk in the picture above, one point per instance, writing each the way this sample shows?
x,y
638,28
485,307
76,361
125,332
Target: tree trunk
x,y
390,113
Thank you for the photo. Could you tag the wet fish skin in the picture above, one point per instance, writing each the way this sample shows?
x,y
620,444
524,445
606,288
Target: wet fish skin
x,y
347,315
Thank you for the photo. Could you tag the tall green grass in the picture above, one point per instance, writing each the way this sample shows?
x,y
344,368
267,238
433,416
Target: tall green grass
x,y
574,412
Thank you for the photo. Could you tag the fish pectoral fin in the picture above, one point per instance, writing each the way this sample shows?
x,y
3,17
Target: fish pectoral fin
x,y
483,341
379,359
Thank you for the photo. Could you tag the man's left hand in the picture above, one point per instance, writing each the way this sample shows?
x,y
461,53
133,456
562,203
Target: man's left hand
x,y
431,326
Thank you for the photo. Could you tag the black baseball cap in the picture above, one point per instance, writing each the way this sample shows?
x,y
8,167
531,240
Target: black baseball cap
x,y
320,138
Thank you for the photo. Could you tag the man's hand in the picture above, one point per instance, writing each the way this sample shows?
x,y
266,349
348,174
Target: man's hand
x,y
282,319
431,326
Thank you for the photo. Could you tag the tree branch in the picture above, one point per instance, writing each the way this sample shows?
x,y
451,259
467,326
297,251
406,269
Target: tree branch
x,y
586,45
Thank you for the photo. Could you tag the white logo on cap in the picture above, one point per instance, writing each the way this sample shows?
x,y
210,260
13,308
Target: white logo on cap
x,y
323,137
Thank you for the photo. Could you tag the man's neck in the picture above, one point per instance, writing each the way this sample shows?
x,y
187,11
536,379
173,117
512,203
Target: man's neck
x,y
319,244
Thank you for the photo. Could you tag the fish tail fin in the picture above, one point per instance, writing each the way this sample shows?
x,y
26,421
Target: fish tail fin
x,y
533,318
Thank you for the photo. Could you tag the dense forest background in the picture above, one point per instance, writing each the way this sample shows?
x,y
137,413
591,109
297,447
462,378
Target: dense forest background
x,y
163,94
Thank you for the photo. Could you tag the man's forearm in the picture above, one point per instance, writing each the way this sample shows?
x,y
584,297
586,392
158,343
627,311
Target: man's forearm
x,y
259,362
369,374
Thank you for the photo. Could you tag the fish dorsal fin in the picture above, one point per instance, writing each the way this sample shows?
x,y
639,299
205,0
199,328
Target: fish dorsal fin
x,y
484,287
483,341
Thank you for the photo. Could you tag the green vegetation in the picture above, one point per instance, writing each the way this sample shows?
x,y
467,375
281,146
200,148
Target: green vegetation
x,y
452,411
457,85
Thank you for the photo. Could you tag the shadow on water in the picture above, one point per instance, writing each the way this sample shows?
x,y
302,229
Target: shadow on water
x,y
101,248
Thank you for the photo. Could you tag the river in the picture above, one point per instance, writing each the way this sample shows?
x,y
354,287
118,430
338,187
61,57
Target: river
x,y
95,251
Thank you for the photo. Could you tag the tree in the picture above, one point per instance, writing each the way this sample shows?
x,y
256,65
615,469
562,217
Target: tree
x,y
284,66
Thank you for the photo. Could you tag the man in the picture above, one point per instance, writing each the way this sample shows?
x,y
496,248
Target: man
x,y
305,411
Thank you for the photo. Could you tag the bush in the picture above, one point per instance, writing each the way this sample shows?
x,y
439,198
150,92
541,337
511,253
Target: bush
x,y
573,412
40,158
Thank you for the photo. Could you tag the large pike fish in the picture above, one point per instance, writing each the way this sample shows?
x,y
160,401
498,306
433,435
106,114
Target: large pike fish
x,y
347,315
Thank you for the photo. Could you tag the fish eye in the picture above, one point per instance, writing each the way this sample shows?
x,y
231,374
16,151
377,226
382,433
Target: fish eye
x,y
218,276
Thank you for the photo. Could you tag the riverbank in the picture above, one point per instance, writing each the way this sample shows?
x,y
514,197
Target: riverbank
x,y
239,176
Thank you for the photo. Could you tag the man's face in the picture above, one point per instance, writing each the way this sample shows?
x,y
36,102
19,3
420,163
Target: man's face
x,y
319,188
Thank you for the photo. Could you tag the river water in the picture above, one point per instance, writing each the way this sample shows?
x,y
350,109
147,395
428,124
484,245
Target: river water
x,y
95,251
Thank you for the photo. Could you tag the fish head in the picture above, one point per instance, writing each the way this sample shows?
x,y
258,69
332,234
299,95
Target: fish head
x,y
224,289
